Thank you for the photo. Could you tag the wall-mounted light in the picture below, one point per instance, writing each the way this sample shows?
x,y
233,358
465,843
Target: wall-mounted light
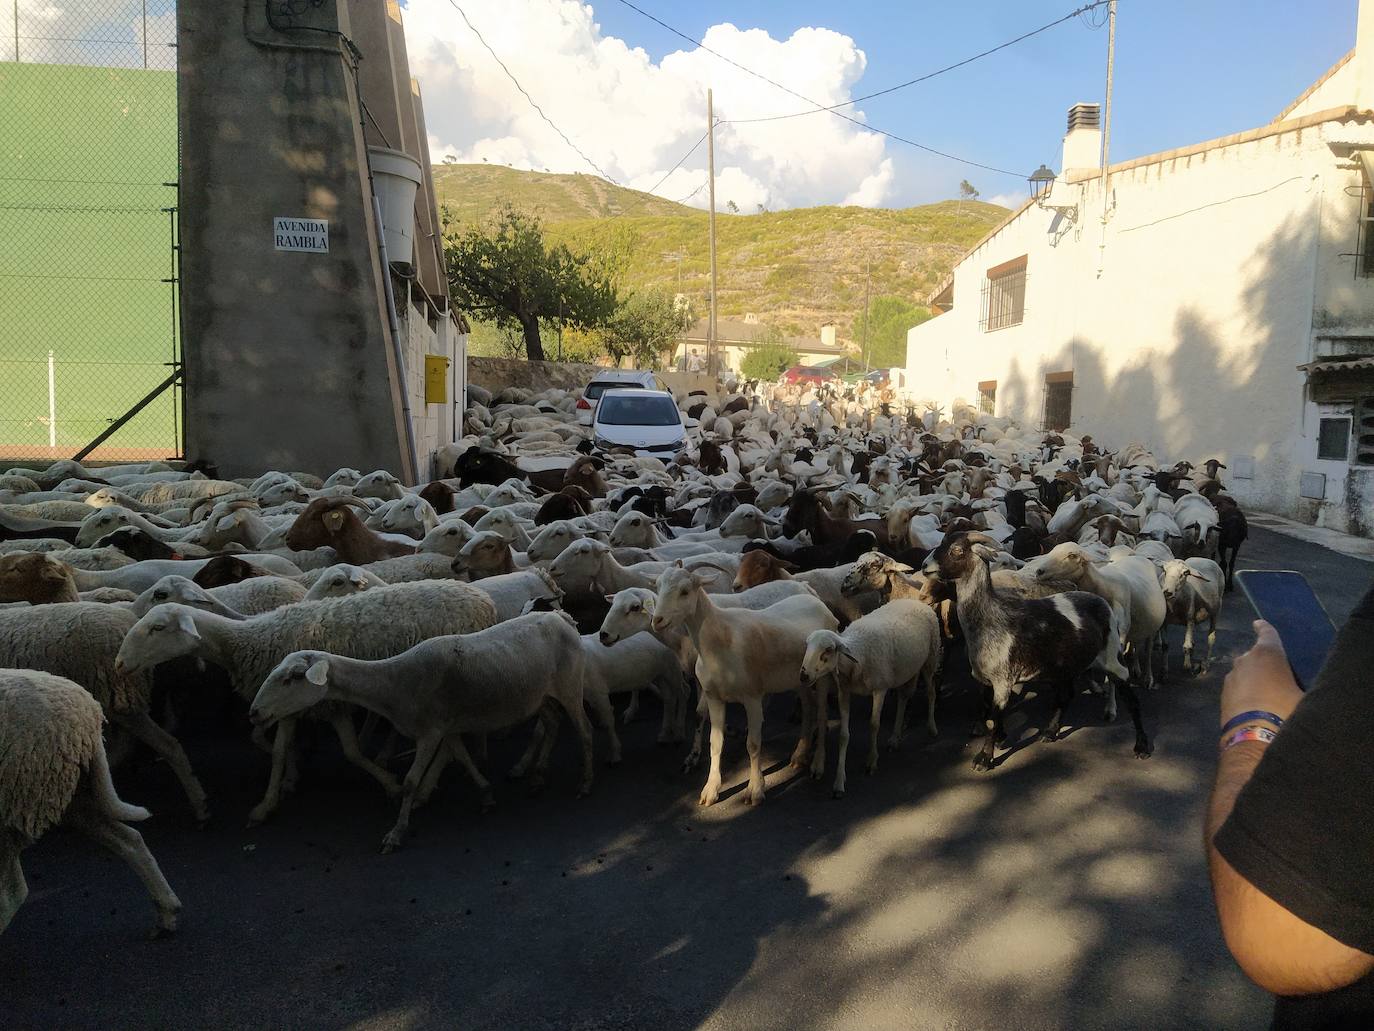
x,y
1042,182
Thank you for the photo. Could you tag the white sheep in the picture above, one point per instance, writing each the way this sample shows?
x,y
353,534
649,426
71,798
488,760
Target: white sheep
x,y
1193,590
887,650
443,688
511,592
374,624
80,641
53,770
249,597
742,657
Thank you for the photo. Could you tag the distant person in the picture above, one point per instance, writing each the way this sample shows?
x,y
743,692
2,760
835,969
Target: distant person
x,y
1290,828
696,363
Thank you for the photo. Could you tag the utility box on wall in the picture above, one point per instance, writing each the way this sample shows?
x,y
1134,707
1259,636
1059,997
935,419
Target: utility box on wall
x,y
436,379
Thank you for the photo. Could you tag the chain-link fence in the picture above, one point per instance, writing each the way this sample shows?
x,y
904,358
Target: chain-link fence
x,y
88,168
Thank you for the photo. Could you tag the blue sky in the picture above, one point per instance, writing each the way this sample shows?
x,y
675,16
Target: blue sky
x,y
1185,72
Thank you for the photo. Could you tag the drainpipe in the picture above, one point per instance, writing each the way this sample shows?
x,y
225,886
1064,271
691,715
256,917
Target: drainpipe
x,y
396,340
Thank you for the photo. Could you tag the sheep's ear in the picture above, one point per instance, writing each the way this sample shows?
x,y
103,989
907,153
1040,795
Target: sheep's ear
x,y
984,552
898,567
609,597
318,673
187,626
678,564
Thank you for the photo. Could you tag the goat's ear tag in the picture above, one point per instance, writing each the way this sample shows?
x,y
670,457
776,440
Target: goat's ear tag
x,y
318,672
333,520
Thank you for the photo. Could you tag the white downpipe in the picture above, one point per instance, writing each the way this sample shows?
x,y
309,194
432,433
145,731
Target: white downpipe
x,y
396,343
52,403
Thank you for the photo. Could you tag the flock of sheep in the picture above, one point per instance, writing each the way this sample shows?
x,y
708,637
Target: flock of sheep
x,y
803,543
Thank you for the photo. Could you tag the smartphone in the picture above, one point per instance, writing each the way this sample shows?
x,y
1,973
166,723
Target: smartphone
x,y
1286,600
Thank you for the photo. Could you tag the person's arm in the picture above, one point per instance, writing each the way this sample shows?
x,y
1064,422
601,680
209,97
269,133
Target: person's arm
x,y
1276,949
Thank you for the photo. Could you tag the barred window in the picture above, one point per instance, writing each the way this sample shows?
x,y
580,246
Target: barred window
x,y
987,397
1058,401
1004,295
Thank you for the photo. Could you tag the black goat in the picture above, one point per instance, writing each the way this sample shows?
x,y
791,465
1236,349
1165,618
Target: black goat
x,y
1233,531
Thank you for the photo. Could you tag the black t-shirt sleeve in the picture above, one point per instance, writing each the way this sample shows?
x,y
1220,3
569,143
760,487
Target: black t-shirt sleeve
x,y
1302,830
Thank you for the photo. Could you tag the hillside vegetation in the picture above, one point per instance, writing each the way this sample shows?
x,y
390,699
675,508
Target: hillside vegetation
x,y
795,269
471,191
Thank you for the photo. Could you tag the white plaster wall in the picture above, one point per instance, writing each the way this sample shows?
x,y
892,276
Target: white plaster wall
x,y
1188,338
433,422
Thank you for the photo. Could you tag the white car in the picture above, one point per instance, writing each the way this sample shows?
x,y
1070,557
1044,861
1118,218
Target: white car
x,y
613,379
646,420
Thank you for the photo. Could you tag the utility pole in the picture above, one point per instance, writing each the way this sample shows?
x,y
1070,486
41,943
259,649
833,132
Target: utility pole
x,y
868,286
1107,134
711,171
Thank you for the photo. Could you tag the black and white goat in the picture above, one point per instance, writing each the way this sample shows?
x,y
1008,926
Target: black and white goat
x,y
1011,640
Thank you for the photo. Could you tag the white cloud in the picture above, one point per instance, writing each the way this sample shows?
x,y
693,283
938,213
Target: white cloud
x,y
635,117
1007,200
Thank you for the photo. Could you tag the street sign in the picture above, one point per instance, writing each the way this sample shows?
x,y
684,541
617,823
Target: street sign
x,y
300,234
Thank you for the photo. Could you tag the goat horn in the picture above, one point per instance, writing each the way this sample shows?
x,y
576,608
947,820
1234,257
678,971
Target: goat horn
x,y
712,565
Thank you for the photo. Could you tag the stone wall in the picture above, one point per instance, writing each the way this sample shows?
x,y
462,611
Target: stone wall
x,y
495,373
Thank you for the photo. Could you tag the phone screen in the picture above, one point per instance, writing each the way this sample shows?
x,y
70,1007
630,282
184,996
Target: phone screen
x,y
1286,600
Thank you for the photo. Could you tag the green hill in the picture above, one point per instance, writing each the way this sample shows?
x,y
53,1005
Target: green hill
x,y
471,191
795,269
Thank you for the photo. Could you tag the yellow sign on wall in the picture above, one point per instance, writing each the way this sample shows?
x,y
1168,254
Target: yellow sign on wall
x,y
436,379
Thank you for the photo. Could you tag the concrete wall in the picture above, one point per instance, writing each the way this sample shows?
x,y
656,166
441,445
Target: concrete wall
x,y
496,373
288,359
1221,270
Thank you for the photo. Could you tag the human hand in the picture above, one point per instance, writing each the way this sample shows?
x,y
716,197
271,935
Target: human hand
x,y
1260,679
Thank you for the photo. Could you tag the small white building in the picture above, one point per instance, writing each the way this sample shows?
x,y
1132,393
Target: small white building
x,y
1220,304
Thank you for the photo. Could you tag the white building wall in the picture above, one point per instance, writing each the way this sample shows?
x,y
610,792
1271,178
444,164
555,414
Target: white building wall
x,y
433,423
1211,267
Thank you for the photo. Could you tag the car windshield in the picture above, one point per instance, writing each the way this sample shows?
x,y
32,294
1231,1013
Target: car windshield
x,y
652,410
595,390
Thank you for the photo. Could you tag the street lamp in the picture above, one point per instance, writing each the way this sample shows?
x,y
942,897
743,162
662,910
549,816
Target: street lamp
x,y
1040,182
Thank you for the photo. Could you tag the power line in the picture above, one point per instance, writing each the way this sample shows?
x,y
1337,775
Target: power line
x,y
939,71
820,107
650,192
510,75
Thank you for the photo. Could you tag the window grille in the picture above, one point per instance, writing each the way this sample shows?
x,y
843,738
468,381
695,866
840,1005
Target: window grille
x,y
987,397
1058,401
1004,296
1364,431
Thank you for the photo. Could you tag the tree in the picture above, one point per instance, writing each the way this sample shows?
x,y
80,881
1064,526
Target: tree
x,y
769,358
505,272
644,325
732,207
967,191
889,318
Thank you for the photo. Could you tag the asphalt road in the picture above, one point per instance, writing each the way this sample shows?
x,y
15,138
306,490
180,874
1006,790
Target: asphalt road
x,y
1064,889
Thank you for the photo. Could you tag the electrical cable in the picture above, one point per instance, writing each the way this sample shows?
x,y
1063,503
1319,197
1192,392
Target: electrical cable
x,y
539,110
939,71
833,109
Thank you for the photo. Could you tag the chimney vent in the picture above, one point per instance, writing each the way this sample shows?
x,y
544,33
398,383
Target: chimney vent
x,y
1085,116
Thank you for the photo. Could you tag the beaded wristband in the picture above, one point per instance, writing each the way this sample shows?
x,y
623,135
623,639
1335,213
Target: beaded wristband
x,y
1249,734
1253,714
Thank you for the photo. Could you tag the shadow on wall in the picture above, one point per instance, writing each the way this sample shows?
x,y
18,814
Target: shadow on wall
x,y
1198,395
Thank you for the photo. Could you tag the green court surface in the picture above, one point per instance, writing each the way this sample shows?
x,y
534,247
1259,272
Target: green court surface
x,y
85,249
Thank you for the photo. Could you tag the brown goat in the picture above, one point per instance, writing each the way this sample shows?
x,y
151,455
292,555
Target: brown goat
x,y
328,522
569,503
585,472
36,578
223,570
759,567
440,495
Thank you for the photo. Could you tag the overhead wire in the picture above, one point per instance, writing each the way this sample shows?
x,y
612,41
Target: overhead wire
x,y
833,109
539,110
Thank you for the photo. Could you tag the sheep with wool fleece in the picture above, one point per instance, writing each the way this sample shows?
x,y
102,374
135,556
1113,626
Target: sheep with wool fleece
x,y
373,624
640,662
742,656
81,641
487,554
887,650
512,592
139,576
53,770
442,688
399,569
